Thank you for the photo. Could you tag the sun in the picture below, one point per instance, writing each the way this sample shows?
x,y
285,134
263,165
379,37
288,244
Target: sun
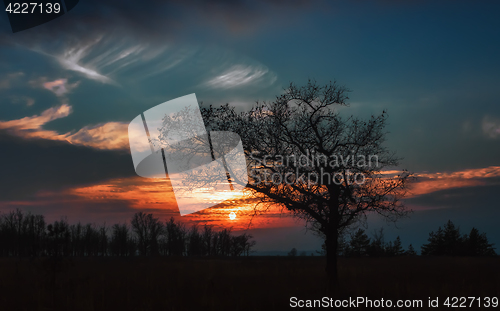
x,y
232,216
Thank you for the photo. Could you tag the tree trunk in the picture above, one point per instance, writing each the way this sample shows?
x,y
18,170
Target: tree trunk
x,y
331,244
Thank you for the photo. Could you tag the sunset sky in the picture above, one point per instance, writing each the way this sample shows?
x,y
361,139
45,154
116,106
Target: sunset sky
x,y
70,87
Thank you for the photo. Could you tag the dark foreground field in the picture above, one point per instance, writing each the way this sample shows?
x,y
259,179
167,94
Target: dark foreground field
x,y
251,283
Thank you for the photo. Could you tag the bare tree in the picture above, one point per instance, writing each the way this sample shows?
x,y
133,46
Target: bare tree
x,y
222,242
59,238
120,240
195,242
175,238
207,240
304,156
148,230
77,240
103,240
241,244
91,240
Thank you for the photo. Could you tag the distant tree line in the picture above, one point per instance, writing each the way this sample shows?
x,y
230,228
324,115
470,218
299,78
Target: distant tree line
x,y
23,234
447,241
360,244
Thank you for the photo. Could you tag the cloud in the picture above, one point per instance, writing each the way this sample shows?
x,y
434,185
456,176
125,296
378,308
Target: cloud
x,y
156,193
241,75
104,56
432,182
60,87
105,136
137,191
71,59
491,127
37,121
110,136
138,66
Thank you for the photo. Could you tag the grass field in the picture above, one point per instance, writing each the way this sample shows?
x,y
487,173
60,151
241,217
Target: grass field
x,y
249,283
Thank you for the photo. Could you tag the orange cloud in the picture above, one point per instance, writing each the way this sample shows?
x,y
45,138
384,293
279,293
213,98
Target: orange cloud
x,y
432,182
137,191
31,127
60,86
157,194
107,136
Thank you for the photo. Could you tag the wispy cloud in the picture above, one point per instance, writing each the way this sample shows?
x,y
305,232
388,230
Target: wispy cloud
x,y
106,136
71,60
60,87
432,182
106,58
110,136
139,192
241,75
36,122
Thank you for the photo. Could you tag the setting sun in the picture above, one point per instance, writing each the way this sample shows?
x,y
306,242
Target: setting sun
x,y
232,216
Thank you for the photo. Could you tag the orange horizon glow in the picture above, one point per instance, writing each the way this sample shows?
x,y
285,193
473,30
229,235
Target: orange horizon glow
x,y
156,193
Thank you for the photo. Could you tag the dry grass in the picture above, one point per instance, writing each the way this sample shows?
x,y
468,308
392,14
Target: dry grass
x,y
253,283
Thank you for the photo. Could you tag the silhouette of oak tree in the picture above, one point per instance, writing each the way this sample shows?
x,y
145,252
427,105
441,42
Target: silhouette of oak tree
x,y
303,156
